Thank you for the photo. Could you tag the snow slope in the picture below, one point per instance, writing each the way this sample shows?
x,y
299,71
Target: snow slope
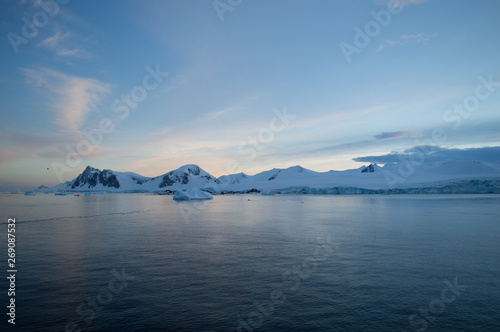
x,y
367,177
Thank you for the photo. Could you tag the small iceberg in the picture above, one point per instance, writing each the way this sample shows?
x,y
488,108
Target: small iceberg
x,y
30,193
191,194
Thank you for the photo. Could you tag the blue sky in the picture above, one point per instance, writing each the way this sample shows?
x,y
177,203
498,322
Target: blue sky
x,y
242,85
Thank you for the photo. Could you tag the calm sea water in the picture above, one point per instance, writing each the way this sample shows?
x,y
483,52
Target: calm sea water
x,y
141,262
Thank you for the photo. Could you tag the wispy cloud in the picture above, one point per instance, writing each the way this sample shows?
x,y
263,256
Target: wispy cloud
x,y
419,38
176,82
70,99
59,43
392,134
28,143
400,3
216,114
198,126
73,97
231,109
54,41
341,115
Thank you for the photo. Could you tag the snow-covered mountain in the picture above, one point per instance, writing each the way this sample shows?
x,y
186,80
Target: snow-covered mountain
x,y
189,175
392,178
368,169
233,179
299,176
389,178
93,179
42,188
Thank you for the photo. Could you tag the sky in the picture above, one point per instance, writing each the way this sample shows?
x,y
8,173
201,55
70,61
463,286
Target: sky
x,y
239,85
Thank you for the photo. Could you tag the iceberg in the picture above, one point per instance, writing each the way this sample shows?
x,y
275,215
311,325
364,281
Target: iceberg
x,y
191,194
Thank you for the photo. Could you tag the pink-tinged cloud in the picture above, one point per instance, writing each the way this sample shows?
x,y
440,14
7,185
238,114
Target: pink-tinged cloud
x,y
73,97
392,135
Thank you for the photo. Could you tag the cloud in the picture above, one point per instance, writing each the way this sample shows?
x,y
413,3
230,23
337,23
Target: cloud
x,y
70,100
436,154
419,38
63,44
30,143
72,97
400,3
54,41
392,134
342,115
176,82
241,106
216,114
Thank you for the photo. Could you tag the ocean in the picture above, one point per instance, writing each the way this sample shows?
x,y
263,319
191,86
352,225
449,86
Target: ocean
x,y
143,262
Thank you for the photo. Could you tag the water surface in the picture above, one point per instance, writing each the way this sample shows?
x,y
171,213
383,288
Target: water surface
x,y
261,263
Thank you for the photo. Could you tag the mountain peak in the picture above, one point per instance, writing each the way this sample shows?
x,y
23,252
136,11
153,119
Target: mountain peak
x,y
91,177
186,174
193,169
369,169
90,169
297,168
233,178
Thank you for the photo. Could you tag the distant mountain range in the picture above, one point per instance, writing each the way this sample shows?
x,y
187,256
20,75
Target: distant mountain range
x,y
453,176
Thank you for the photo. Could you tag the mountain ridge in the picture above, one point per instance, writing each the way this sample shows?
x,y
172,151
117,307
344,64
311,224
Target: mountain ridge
x,y
371,177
